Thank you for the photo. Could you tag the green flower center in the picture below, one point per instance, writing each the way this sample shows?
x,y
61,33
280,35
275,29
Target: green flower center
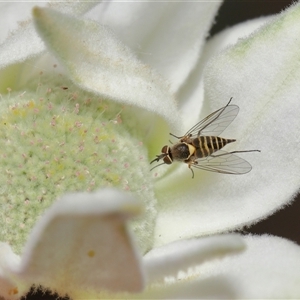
x,y
60,139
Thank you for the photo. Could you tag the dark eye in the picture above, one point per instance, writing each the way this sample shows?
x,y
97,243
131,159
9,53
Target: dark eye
x,y
167,160
165,149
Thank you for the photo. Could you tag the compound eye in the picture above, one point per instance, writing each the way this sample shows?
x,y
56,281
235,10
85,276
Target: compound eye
x,y
165,149
167,160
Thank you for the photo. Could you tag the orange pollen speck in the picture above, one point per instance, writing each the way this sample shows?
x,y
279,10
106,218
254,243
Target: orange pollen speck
x,y
91,253
13,291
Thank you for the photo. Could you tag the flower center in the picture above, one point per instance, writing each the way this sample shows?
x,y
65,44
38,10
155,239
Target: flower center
x,y
60,139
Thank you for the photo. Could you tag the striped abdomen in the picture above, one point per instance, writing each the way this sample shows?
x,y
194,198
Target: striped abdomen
x,y
206,145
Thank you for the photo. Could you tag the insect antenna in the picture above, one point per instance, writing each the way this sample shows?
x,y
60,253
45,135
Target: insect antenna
x,y
158,157
157,166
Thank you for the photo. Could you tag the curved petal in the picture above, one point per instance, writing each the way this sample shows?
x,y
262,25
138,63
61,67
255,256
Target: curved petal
x,y
25,43
261,74
99,62
231,36
191,95
179,256
269,269
145,26
82,243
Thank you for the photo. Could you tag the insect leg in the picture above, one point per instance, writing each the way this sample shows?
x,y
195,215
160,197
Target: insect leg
x,y
184,138
192,171
190,164
177,137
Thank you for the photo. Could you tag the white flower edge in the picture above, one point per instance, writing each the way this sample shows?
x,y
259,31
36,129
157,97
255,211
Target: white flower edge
x,y
180,256
265,86
81,243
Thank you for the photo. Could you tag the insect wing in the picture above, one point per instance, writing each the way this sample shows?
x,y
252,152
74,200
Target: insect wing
x,y
224,162
215,123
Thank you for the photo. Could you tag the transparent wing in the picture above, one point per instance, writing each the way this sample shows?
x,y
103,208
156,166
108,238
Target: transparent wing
x,y
216,122
223,162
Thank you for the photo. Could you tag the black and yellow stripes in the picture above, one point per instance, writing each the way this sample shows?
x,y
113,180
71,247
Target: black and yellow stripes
x,y
206,145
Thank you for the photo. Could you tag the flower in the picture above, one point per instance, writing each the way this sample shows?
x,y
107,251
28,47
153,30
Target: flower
x,y
91,113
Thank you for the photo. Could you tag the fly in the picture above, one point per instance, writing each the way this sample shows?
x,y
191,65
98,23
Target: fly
x,y
201,146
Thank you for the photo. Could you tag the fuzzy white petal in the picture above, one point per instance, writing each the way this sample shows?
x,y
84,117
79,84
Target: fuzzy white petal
x,y
268,269
179,256
145,26
262,74
31,45
192,93
232,35
11,14
100,62
82,243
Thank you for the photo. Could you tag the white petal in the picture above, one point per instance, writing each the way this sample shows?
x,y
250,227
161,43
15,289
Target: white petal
x,y
268,269
82,243
232,35
10,289
24,43
99,62
191,95
179,256
168,36
8,259
261,74
11,14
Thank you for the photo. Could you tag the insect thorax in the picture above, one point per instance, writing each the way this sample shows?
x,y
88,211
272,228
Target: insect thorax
x,y
182,151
